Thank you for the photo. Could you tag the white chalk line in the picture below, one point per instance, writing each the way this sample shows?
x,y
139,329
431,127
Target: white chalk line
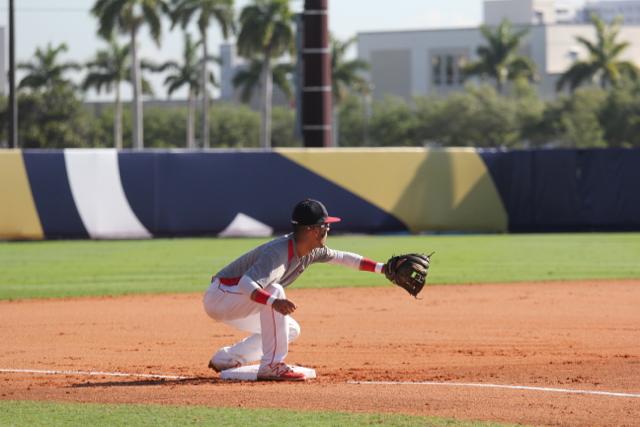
x,y
92,373
504,386
432,383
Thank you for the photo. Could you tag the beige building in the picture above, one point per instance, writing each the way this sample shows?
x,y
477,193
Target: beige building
x,y
426,62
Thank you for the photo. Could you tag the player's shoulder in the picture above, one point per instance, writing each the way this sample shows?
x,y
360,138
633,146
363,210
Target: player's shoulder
x,y
321,253
278,246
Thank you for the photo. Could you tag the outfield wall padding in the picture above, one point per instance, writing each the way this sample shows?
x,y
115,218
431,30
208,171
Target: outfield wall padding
x,y
201,193
568,190
54,202
18,216
108,194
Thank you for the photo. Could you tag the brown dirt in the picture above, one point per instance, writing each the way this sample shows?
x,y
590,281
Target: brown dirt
x,y
576,335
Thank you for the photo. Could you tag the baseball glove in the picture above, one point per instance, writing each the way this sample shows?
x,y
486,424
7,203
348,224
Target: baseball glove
x,y
408,271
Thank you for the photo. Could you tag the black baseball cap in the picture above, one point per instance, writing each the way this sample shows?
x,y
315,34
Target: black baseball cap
x,y
311,212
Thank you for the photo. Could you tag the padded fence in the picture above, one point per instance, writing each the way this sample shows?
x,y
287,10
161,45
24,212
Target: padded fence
x,y
568,190
106,194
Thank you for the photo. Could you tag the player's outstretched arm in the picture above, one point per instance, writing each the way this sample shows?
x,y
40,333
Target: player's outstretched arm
x,y
355,261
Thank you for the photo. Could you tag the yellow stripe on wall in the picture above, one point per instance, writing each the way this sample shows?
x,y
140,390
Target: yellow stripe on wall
x,y
18,215
429,190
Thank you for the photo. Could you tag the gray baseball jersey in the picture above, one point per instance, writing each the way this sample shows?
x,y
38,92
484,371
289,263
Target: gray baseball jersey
x,y
277,262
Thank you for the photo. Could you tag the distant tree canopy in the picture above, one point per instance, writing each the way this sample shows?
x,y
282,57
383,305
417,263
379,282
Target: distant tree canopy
x,y
475,117
602,109
128,17
204,12
266,32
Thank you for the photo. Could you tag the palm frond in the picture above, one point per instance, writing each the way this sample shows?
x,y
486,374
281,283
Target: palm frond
x,y
281,78
629,70
146,87
576,75
248,79
152,18
499,58
265,29
602,62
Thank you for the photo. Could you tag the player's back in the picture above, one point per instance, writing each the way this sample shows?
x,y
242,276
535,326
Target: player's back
x,y
276,248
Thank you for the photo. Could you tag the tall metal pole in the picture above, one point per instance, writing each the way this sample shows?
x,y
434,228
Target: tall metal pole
x,y
316,92
13,104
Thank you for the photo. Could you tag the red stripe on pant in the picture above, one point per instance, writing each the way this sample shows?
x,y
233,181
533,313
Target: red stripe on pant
x,y
275,336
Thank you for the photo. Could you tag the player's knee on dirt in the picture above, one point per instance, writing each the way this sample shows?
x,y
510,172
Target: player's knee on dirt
x,y
223,359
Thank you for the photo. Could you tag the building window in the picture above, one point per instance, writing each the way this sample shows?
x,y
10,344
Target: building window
x,y
448,69
539,18
461,62
436,62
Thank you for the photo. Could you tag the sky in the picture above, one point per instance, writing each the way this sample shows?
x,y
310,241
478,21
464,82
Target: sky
x,y
39,22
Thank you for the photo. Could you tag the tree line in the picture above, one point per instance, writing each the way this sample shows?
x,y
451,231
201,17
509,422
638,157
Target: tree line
x,y
599,109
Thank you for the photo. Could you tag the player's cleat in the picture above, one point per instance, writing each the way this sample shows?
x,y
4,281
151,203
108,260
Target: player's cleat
x,y
279,372
219,367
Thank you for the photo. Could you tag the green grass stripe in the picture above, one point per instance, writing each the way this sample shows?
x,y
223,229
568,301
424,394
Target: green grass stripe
x,y
79,268
25,413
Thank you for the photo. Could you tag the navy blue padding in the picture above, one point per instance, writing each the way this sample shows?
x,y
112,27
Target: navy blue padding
x,y
201,193
568,190
52,195
609,181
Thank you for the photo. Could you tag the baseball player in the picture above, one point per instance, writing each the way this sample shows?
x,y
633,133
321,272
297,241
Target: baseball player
x,y
249,294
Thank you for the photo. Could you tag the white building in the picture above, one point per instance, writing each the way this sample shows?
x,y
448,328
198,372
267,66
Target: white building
x,y
424,62
520,12
537,12
629,10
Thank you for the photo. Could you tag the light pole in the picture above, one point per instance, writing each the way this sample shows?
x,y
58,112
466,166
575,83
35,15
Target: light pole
x,y
367,98
12,135
316,60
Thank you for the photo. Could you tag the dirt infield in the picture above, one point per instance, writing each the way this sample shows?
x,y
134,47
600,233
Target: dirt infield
x,y
570,335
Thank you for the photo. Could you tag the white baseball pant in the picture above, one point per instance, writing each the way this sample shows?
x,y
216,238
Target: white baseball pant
x,y
271,331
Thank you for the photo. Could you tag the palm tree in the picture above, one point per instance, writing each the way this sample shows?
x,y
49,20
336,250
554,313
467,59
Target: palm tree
x,y
127,17
220,11
250,78
345,74
187,74
265,33
603,64
107,70
45,71
345,77
500,60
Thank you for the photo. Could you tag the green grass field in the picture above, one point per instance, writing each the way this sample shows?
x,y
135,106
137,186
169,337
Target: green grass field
x,y
76,414
80,268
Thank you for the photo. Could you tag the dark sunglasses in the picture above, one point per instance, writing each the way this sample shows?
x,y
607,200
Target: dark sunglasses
x,y
323,227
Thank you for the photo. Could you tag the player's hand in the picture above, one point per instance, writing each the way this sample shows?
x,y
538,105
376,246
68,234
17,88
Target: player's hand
x,y
284,306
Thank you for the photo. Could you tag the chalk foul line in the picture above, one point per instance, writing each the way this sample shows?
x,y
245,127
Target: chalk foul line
x,y
430,383
92,373
503,386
